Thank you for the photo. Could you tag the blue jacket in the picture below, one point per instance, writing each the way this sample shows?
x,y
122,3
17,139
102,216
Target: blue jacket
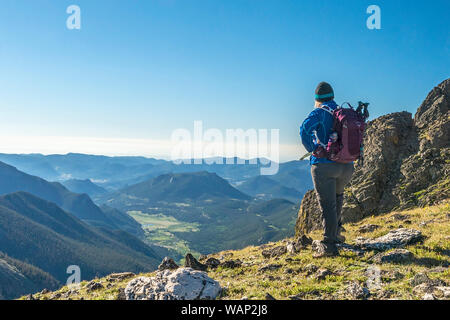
x,y
322,122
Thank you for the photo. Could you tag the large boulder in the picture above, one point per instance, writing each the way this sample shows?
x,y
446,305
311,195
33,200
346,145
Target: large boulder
x,y
393,239
181,284
405,164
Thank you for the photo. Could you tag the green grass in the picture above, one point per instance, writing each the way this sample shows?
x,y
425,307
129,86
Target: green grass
x,y
433,252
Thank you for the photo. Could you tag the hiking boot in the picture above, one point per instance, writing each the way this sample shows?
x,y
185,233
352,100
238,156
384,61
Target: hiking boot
x,y
340,238
325,250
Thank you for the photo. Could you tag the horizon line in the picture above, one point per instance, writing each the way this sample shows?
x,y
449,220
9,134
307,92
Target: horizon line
x,y
141,156
158,149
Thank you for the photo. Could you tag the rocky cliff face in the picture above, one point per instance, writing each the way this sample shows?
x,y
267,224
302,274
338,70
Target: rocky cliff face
x,y
407,164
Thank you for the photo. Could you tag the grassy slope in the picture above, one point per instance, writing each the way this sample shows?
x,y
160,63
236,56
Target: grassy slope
x,y
248,281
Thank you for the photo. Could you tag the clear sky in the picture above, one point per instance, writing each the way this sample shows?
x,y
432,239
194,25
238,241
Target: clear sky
x,y
139,69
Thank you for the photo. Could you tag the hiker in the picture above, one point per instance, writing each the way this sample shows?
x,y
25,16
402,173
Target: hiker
x,y
329,177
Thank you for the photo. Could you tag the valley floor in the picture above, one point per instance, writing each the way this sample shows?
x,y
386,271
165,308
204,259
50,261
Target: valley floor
x,y
300,276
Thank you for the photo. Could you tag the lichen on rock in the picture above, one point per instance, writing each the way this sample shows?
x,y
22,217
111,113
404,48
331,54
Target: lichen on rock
x,y
181,284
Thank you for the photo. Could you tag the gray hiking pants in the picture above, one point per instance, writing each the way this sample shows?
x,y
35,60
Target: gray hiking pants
x,y
330,180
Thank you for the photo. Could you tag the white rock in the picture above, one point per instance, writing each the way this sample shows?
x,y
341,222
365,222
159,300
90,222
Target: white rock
x,y
393,239
181,284
428,296
355,291
444,290
373,274
290,248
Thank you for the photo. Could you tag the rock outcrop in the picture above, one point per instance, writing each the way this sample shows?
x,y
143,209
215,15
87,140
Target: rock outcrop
x,y
395,256
167,264
406,164
181,284
393,239
309,216
274,252
356,292
424,178
429,288
212,263
94,285
191,262
120,276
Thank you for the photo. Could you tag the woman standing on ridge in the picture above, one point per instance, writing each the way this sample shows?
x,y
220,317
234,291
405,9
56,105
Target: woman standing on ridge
x,y
329,177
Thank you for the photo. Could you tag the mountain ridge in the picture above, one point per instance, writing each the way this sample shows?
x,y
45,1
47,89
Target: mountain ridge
x,y
181,186
19,278
264,187
12,180
42,234
83,186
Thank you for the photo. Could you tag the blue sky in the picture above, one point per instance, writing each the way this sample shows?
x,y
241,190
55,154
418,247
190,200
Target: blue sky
x,y
137,70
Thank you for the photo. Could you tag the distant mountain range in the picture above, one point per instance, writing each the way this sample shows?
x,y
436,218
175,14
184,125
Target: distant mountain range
x,y
264,187
177,187
13,180
82,173
81,166
43,235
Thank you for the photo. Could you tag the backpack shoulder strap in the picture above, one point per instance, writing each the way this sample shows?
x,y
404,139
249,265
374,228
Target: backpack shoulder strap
x,y
326,108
